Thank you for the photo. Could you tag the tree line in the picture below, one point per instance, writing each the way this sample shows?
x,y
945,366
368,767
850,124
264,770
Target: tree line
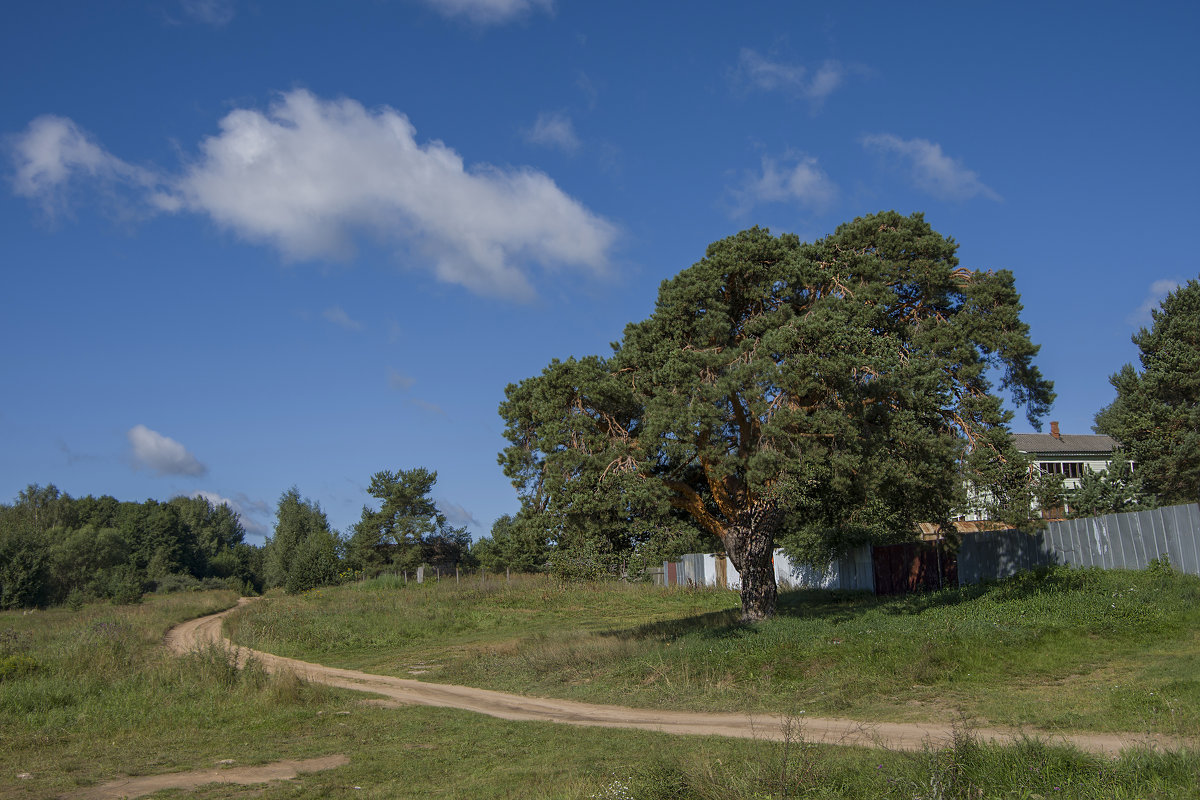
x,y
57,549
406,531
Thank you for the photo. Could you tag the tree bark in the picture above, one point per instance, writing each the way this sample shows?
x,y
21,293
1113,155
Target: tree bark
x,y
750,544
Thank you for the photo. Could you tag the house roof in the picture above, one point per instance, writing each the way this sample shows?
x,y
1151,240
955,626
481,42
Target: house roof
x,y
931,530
1067,443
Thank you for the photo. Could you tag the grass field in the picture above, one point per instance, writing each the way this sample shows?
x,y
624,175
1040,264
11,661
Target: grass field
x,y
1056,651
89,695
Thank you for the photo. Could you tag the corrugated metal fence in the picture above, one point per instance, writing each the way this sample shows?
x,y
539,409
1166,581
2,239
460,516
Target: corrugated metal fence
x,y
1130,541
852,571
1114,541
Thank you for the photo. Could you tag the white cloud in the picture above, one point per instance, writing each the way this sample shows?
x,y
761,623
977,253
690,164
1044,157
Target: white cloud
x,y
553,129
932,171
1158,292
246,509
487,12
425,405
162,454
53,150
798,178
310,175
767,75
210,12
457,515
338,316
399,381
588,88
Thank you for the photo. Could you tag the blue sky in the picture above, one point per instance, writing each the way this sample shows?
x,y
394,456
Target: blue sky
x,y
250,245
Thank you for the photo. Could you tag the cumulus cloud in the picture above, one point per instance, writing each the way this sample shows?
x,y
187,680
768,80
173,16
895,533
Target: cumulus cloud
x,y
553,129
932,171
425,405
217,13
768,75
399,381
488,12
338,316
162,454
457,515
796,178
54,150
249,511
309,175
1158,292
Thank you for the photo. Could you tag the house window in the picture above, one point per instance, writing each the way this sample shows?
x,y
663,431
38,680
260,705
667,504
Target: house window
x,y
1068,469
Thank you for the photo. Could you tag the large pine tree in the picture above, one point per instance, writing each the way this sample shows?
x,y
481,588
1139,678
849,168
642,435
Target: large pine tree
x,y
844,384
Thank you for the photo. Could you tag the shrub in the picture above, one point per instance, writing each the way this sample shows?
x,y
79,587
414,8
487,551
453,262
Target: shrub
x,y
178,582
1160,566
17,666
581,561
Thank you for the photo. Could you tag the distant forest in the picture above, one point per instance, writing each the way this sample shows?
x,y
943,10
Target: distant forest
x,y
57,549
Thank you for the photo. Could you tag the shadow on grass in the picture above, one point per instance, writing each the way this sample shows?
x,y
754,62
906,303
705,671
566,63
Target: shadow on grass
x,y
671,629
817,604
834,606
838,606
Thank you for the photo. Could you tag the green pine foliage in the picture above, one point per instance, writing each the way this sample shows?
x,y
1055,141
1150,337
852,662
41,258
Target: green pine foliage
x,y
841,389
1115,490
1156,414
514,544
407,530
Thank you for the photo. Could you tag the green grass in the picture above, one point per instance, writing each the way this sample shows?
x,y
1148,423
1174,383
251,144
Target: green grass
x,y
1058,650
92,695
104,699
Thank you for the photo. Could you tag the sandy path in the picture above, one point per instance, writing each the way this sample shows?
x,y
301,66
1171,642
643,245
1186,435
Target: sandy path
x,y
892,735
149,784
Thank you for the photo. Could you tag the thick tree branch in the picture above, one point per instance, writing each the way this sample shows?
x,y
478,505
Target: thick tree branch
x,y
689,500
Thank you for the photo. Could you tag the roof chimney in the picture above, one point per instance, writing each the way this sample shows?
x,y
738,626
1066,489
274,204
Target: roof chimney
x,y
1054,430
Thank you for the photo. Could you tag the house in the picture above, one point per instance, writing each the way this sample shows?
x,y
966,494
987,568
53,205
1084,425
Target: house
x,y
1055,453
1067,455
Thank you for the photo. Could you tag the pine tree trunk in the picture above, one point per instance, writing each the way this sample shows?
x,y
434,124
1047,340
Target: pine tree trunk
x,y
750,544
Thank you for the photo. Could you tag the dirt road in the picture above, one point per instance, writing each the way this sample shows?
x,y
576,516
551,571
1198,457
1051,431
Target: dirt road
x,y
139,786
892,735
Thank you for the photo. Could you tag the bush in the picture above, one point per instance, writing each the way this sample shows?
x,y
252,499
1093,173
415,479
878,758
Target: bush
x,y
582,561
1160,567
17,666
315,563
178,582
127,586
76,598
